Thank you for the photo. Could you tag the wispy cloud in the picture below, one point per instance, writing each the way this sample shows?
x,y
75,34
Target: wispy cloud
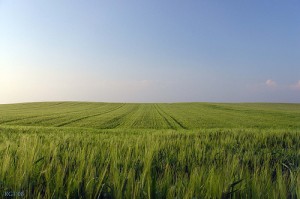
x,y
296,86
271,83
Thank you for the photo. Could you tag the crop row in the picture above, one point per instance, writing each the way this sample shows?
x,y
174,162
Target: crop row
x,y
152,116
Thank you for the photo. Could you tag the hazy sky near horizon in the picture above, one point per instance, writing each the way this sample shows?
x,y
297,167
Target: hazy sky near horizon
x,y
150,51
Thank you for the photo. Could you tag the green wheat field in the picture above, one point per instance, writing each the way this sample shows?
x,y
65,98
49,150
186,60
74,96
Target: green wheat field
x,y
168,150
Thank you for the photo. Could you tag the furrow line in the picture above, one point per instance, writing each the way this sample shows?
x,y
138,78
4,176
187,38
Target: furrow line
x,y
115,122
19,119
89,116
37,116
39,106
166,120
175,120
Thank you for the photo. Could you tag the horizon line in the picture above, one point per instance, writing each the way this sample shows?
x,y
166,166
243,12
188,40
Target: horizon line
x,y
154,102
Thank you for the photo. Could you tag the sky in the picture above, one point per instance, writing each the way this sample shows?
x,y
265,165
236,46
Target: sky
x,y
150,51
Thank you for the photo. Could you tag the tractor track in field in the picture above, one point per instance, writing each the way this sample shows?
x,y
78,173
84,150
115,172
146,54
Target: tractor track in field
x,y
89,116
166,120
19,119
39,106
131,115
119,118
48,115
163,113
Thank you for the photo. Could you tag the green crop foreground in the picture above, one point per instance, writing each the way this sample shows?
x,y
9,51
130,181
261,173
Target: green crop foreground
x,y
180,150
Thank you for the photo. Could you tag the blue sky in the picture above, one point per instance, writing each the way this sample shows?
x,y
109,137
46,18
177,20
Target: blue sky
x,y
154,51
